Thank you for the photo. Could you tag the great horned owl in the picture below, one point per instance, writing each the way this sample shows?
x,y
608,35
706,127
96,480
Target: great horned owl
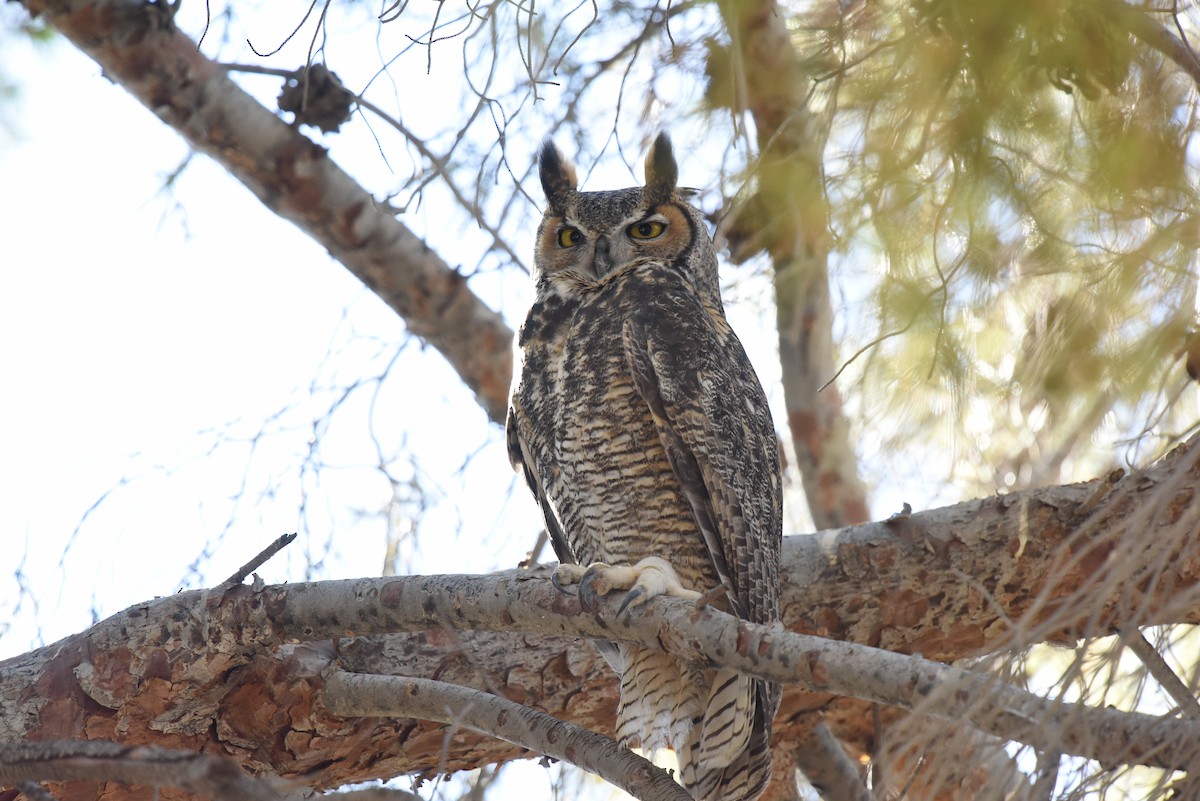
x,y
645,436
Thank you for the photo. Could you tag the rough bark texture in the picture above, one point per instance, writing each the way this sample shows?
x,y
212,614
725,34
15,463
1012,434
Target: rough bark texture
x,y
138,46
790,221
209,672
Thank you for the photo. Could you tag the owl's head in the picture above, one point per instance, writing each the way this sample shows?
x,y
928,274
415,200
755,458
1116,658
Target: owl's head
x,y
586,236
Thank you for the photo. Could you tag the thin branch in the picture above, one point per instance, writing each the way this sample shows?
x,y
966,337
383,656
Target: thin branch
x,y
829,768
439,167
1162,673
1140,24
102,761
275,547
1047,776
350,695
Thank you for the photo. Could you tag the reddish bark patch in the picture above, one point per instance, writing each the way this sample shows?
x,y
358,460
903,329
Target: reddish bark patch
x,y
903,608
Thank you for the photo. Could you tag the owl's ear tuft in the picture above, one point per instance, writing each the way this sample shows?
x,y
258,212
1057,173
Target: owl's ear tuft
x,y
661,170
557,174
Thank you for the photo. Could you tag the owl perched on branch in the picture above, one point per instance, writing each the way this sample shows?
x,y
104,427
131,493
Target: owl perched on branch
x,y
645,436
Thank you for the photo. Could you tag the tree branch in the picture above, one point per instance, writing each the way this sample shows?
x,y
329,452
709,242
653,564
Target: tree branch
x,y
827,767
1139,23
138,47
208,669
713,638
349,694
99,761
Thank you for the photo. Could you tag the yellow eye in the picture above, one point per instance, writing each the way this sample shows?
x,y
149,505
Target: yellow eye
x,y
569,237
647,229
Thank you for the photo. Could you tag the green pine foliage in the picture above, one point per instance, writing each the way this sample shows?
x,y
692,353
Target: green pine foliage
x,y
1019,173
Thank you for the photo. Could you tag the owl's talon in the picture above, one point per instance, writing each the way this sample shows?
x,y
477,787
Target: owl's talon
x,y
651,577
631,599
593,586
558,584
566,574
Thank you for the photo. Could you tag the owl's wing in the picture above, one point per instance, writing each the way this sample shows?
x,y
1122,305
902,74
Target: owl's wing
x,y
518,456
713,420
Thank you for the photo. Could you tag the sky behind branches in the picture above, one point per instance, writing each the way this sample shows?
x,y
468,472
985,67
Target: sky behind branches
x,y
168,351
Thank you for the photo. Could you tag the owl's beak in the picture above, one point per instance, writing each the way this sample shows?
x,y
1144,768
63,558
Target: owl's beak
x,y
601,260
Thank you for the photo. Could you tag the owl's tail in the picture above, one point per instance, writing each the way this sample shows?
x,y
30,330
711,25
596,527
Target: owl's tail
x,y
718,722
660,697
727,755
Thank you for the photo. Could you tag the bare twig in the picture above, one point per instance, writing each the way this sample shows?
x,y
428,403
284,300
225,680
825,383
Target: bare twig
x,y
349,694
275,547
438,164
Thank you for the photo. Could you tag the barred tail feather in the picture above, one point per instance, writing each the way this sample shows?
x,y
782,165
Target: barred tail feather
x,y
661,697
727,757
728,715
718,722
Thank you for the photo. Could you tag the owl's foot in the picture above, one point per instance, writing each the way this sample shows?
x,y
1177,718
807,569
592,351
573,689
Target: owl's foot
x,y
567,574
651,577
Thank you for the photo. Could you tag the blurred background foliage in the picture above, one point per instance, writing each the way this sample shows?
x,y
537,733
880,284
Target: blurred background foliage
x,y
1012,187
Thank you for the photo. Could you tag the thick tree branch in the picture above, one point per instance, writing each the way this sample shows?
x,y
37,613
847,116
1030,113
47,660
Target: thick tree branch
x,y
138,46
357,695
262,620
207,670
828,768
707,636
